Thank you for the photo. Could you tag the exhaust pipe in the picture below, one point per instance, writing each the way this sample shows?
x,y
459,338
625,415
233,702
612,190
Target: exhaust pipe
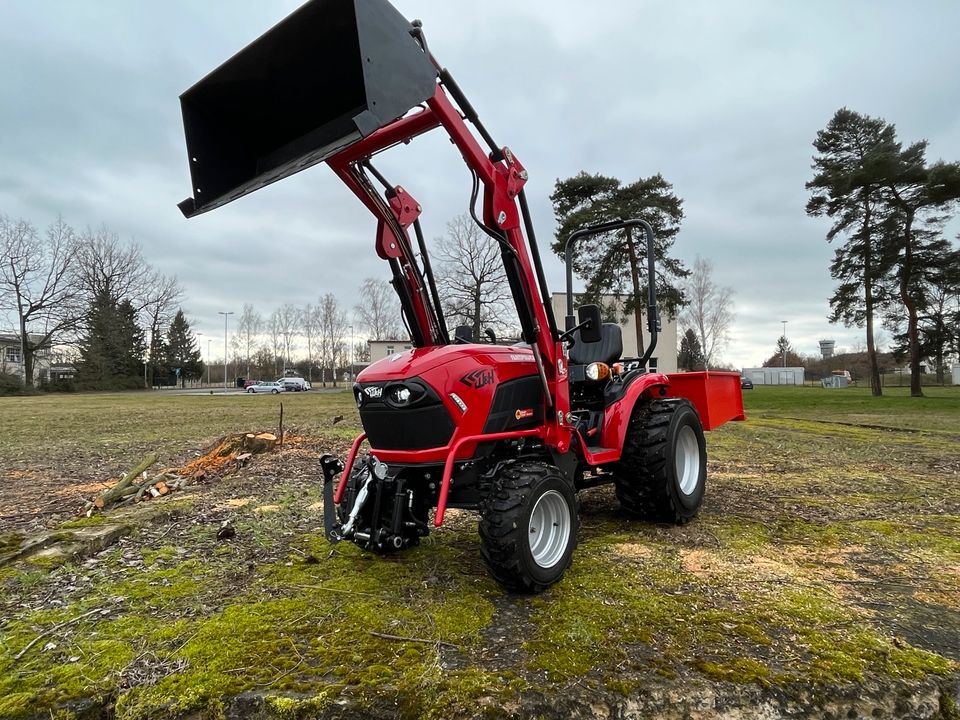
x,y
328,75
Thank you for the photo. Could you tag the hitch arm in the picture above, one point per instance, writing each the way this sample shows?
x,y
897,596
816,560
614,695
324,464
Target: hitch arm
x,y
330,466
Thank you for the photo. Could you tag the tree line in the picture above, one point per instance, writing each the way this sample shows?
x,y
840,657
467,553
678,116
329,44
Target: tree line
x,y
122,322
89,295
889,205
315,338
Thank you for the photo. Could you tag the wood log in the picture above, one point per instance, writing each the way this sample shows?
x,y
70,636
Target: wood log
x,y
111,495
148,462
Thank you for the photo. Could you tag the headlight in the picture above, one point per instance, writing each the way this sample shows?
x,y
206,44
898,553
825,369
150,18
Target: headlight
x,y
598,371
358,395
401,395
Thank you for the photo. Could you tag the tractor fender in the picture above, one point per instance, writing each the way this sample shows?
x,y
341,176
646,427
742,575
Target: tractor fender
x,y
616,417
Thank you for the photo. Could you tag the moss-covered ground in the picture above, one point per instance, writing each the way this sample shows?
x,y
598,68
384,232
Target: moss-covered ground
x,y
827,553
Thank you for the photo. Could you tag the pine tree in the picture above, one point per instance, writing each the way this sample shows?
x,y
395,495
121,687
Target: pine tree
x,y
690,356
847,188
916,193
785,356
614,263
113,346
181,350
938,310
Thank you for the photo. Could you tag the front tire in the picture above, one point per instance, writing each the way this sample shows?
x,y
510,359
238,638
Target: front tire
x,y
662,473
528,526
275,392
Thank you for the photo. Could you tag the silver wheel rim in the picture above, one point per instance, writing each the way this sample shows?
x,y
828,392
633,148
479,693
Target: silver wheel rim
x,y
687,460
549,529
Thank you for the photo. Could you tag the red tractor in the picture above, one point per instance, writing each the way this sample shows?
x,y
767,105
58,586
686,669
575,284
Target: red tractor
x,y
511,432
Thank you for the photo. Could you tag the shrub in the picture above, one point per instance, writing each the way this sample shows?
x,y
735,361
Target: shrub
x,y
10,384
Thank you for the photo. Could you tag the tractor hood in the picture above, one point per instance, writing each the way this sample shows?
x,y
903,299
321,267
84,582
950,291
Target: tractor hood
x,y
414,403
418,361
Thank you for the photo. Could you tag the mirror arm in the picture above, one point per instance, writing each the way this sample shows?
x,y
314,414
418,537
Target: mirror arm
x,y
567,336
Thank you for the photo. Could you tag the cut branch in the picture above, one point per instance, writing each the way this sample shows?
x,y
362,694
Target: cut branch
x,y
59,626
400,638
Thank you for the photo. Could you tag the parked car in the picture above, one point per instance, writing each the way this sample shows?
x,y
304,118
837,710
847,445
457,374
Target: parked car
x,y
746,383
248,383
266,387
294,384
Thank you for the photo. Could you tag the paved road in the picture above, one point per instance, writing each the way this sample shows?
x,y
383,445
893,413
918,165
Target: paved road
x,y
232,391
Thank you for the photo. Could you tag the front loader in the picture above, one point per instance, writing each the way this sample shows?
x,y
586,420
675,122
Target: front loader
x,y
509,432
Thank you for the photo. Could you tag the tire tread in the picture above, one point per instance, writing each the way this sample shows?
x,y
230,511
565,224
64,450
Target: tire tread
x,y
501,529
642,477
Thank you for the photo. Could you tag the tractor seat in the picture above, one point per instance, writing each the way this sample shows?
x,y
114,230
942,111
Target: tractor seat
x,y
607,349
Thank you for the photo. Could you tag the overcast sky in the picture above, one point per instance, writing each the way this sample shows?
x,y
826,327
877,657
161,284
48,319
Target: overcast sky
x,y
724,99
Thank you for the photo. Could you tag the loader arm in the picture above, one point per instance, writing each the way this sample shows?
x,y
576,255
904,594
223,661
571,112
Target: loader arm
x,y
340,81
502,181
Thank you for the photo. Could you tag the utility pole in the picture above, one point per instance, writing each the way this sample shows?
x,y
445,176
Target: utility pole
x,y
783,352
351,353
225,316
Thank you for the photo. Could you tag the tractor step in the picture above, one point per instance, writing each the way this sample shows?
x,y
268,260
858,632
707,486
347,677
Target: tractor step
x,y
600,455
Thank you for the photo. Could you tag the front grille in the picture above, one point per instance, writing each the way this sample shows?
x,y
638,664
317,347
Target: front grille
x,y
416,428
425,424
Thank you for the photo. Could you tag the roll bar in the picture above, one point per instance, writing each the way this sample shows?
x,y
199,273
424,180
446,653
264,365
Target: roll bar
x,y
653,317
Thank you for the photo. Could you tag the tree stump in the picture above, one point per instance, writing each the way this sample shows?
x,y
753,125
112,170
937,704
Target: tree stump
x,y
258,443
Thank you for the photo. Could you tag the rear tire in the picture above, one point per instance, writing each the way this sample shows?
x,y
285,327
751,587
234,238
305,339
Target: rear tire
x,y
662,474
528,526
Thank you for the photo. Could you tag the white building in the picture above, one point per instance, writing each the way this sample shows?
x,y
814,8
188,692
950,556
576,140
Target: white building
x,y
665,355
11,357
774,375
379,349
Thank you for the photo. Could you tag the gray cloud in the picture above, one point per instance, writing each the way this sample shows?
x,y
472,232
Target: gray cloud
x,y
723,98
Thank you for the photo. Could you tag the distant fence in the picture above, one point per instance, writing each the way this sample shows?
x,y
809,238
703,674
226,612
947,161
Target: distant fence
x,y
891,379
902,379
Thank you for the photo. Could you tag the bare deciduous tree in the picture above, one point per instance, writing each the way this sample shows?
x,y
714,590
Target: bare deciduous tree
x,y
378,311
288,318
276,339
312,333
249,327
37,282
109,267
334,323
262,361
709,310
161,304
472,281
361,352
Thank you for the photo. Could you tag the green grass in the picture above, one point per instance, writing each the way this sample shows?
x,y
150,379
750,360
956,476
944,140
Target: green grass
x,y
114,422
939,409
827,553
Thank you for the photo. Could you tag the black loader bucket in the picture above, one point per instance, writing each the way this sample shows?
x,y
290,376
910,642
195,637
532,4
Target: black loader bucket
x,y
329,74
